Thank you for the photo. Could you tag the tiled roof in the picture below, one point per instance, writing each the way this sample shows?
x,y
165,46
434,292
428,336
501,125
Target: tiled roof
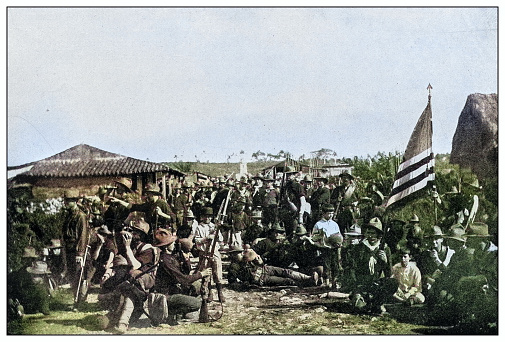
x,y
84,160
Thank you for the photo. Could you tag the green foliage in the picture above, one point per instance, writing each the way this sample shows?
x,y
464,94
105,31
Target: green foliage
x,y
186,167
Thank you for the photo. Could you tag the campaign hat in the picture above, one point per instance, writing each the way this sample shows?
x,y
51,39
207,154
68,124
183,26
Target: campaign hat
x,y
457,232
55,243
354,230
258,176
189,214
307,178
140,224
124,183
38,267
434,231
164,237
277,227
207,211
346,175
30,252
72,194
477,229
414,218
300,230
376,224
153,188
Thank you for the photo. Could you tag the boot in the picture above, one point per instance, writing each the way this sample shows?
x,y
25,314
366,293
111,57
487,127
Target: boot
x,y
219,288
210,297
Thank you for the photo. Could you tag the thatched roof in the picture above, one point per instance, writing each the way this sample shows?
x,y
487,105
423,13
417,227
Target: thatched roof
x,y
84,161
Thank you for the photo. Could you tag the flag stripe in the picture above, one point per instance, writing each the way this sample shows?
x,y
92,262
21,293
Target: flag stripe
x,y
410,190
413,171
413,181
414,160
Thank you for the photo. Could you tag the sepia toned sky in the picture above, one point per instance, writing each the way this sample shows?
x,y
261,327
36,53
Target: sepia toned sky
x,y
204,83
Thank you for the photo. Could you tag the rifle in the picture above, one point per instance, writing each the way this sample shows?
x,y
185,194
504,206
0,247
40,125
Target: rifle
x,y
206,282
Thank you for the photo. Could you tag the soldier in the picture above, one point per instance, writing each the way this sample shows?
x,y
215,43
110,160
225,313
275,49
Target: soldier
x,y
204,235
76,234
239,220
343,198
270,202
292,202
434,260
173,278
116,213
271,249
142,258
255,229
320,197
189,225
370,271
258,193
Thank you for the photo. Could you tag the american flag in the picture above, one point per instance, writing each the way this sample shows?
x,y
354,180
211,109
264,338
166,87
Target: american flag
x,y
417,168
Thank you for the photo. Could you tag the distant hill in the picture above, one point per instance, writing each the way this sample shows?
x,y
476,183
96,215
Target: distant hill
x,y
219,169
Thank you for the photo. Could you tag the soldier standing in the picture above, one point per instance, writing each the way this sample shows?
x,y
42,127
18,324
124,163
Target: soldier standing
x,y
76,239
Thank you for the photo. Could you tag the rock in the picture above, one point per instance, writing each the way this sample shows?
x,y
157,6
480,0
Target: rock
x,y
475,142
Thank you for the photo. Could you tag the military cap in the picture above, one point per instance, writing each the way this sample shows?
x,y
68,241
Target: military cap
x,y
321,178
221,180
230,182
55,243
72,194
477,229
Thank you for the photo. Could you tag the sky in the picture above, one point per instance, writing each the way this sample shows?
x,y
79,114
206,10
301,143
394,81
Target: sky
x,y
218,84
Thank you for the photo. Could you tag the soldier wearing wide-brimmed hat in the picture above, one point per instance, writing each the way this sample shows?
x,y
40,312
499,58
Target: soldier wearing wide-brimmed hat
x,y
292,205
319,198
370,261
76,234
205,234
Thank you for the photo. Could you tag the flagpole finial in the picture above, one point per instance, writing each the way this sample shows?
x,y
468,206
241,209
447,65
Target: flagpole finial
x,y
429,89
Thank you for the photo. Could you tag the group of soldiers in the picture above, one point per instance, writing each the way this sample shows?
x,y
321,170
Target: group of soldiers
x,y
287,230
